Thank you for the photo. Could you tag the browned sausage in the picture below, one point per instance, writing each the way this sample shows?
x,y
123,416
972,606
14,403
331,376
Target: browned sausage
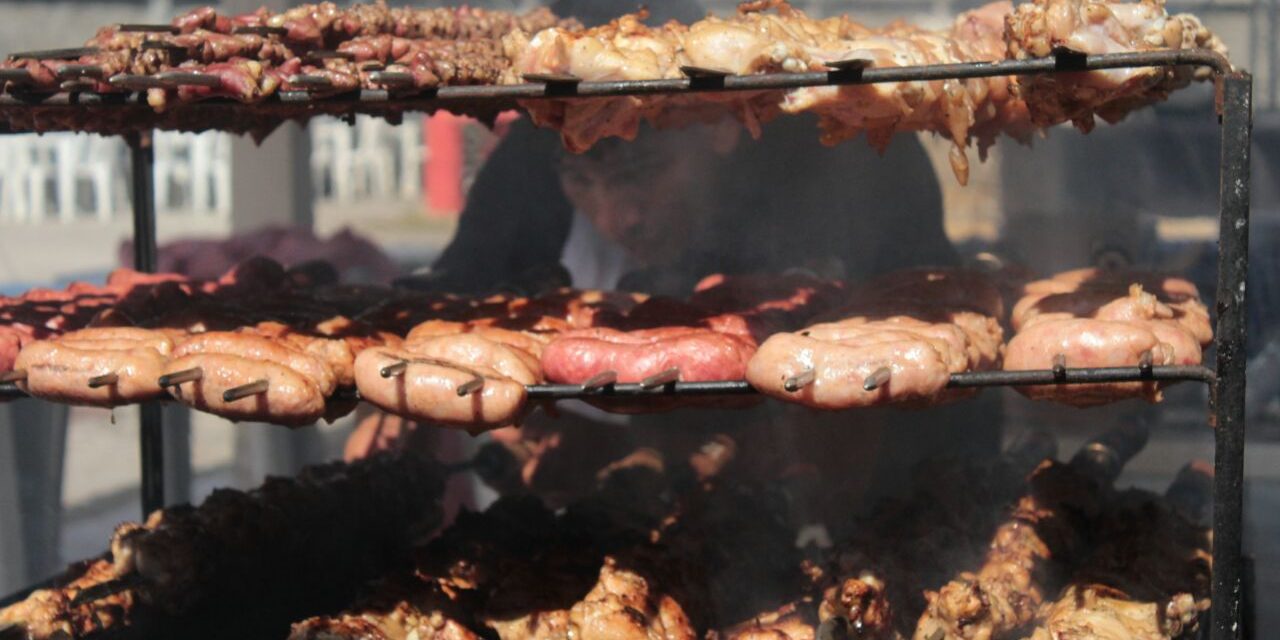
x,y
427,390
255,347
61,373
291,399
919,373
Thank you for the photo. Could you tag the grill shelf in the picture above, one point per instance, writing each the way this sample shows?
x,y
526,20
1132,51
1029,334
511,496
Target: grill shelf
x,y
127,113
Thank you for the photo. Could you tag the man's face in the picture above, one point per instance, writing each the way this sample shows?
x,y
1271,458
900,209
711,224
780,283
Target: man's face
x,y
652,196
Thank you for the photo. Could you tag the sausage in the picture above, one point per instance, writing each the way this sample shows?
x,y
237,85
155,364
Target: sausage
x,y
257,348
948,340
1087,343
292,399
427,391
119,338
471,350
61,373
700,354
919,373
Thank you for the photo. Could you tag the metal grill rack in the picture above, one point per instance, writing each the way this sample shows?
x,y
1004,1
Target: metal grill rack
x,y
127,113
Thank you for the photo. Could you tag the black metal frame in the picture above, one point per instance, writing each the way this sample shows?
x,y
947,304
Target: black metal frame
x,y
1227,384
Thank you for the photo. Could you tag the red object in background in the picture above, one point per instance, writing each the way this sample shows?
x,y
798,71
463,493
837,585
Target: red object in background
x,y
446,156
443,168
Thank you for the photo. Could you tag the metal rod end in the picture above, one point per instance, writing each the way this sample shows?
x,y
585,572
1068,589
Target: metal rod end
x,y
801,380
395,370
661,379
1146,363
600,380
877,379
472,386
104,380
246,391
17,375
1060,367
179,377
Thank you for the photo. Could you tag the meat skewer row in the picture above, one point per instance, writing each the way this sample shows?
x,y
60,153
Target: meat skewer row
x,y
1093,318
321,533
325,24
761,41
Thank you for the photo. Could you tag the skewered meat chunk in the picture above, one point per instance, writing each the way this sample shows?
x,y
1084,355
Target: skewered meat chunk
x,y
1098,318
1037,28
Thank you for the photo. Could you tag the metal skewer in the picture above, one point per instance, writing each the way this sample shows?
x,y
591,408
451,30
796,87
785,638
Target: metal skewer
x,y
104,380
245,391
395,370
17,375
1145,362
660,379
801,380
600,380
470,387
877,379
1060,367
179,377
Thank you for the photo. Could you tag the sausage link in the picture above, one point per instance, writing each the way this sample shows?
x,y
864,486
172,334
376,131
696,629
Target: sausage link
x,y
291,399
61,373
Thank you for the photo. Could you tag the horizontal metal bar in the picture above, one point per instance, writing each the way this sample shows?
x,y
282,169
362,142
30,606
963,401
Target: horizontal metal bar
x,y
147,28
967,380
56,54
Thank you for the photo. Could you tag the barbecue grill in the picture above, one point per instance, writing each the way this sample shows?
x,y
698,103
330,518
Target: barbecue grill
x,y
126,113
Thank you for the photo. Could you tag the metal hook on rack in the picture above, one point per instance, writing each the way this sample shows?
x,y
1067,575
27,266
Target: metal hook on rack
x,y
661,379
1060,367
104,380
17,375
246,391
180,377
1146,363
394,370
877,379
600,381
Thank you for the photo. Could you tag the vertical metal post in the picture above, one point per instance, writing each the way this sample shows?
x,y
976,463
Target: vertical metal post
x,y
151,435
1228,406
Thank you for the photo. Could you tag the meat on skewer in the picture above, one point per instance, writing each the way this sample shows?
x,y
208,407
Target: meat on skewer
x,y
462,380
95,367
759,40
1099,318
